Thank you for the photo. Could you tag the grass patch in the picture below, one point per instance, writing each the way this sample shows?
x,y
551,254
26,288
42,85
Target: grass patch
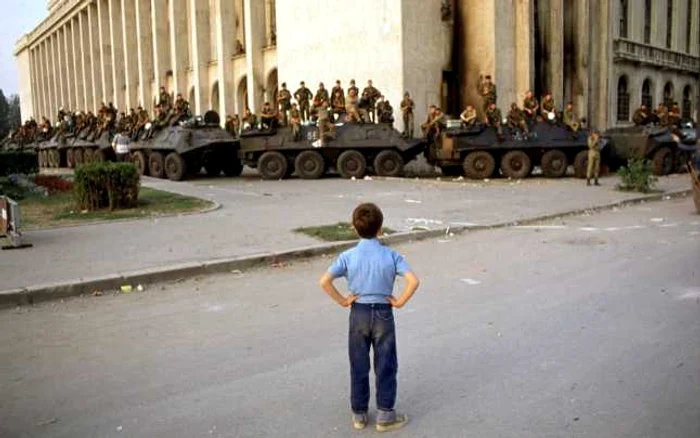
x,y
60,209
340,232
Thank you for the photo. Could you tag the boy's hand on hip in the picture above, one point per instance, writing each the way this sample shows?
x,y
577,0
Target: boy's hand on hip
x,y
396,304
349,300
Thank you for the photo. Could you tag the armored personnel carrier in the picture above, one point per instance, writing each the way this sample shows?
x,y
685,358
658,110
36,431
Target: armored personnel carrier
x,y
476,152
73,150
651,142
354,150
177,151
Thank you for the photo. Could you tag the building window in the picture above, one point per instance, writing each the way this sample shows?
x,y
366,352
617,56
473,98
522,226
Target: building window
x,y
647,21
689,24
623,18
647,97
623,100
668,95
687,102
669,24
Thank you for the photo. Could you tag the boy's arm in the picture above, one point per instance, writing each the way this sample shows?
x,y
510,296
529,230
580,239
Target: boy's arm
x,y
411,285
326,283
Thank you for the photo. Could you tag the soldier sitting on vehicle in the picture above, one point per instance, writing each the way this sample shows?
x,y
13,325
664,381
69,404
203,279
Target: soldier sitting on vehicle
x,y
385,112
469,117
494,119
548,110
231,125
160,121
164,101
571,121
674,115
249,121
321,96
641,116
516,120
351,107
662,114
295,122
180,111
338,103
435,123
324,124
530,107
268,117
142,119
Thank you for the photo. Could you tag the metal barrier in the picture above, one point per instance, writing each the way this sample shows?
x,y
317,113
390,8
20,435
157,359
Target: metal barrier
x,y
10,223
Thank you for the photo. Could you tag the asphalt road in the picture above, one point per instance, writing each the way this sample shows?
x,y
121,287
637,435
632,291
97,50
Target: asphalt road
x,y
587,327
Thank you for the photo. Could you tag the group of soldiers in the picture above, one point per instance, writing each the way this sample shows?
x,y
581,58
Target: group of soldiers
x,y
663,116
136,124
324,108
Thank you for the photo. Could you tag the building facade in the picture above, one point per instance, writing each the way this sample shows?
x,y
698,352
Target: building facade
x,y
606,56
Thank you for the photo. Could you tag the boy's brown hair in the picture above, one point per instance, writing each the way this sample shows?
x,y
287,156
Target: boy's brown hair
x,y
367,220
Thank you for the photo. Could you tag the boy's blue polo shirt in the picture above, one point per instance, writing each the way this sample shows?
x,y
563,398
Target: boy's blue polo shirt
x,y
370,269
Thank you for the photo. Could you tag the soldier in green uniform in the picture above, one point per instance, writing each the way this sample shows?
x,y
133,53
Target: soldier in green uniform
x,y
487,90
353,88
385,112
268,117
230,126
530,107
338,88
284,97
662,114
250,121
407,107
469,117
494,119
641,116
325,127
321,96
351,107
338,103
593,157
373,94
295,122
674,116
570,118
548,109
303,96
516,120
164,101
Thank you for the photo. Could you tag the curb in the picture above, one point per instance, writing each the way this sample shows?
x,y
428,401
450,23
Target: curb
x,y
81,286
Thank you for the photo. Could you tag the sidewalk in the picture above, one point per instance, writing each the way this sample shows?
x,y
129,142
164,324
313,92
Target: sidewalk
x,y
258,217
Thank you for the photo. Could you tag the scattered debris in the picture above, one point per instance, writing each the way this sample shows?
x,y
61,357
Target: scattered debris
x,y
368,178
127,288
470,281
140,288
47,422
119,428
237,273
279,265
97,293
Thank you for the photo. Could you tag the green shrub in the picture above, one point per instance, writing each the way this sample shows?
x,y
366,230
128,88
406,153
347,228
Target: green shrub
x,y
18,162
637,176
106,185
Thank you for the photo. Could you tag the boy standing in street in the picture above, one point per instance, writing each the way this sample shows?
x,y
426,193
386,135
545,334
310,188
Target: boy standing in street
x,y
370,269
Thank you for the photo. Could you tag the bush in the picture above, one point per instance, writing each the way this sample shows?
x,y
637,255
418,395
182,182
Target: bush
x,y
106,185
54,183
638,176
18,162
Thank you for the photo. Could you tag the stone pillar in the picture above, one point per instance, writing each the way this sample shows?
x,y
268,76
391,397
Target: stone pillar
x,y
524,69
179,49
144,44
38,86
93,65
199,43
118,62
225,27
130,54
161,44
55,83
61,71
104,44
74,54
582,59
254,19
85,60
43,65
555,67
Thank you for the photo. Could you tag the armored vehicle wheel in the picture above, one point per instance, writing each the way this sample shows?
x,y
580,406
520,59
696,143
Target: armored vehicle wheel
x,y
213,168
479,165
663,161
70,159
272,165
554,164
581,164
175,166
98,156
309,165
233,167
516,164
452,170
78,157
139,159
87,156
351,164
388,163
156,164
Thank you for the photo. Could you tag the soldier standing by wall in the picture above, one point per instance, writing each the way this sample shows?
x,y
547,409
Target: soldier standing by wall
x,y
407,108
487,90
373,95
593,157
303,95
284,97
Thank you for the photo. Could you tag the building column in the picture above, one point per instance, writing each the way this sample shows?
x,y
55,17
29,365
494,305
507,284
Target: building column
x,y
130,54
555,67
582,59
161,44
46,97
179,49
225,26
144,44
92,56
104,44
524,48
118,61
55,90
64,101
74,53
199,41
85,60
39,88
254,24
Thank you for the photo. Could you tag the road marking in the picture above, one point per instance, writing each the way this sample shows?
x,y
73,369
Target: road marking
x,y
588,229
413,201
668,225
541,227
464,224
470,281
657,219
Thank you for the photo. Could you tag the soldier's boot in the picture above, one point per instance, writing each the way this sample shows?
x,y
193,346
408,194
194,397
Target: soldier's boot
x,y
588,182
596,182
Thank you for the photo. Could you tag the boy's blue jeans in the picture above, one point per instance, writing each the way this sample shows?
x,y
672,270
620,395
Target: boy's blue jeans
x,y
372,325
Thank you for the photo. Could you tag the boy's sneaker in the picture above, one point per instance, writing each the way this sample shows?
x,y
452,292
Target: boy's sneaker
x,y
390,420
359,421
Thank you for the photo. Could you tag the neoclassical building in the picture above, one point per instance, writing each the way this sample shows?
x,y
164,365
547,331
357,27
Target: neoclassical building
x,y
607,56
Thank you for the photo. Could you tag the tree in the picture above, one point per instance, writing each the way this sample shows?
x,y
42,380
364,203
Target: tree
x,y
4,112
14,115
